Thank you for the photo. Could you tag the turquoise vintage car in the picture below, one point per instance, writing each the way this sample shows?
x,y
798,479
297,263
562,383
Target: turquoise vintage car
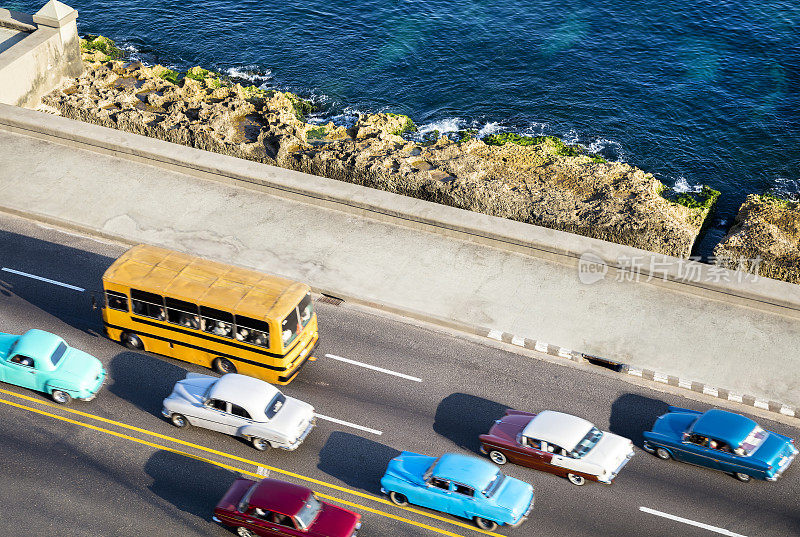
x,y
43,362
461,485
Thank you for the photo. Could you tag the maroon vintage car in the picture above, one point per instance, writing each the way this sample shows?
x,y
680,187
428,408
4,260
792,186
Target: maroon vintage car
x,y
272,507
558,443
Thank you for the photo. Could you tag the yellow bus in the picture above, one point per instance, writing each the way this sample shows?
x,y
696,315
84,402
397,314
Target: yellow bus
x,y
212,314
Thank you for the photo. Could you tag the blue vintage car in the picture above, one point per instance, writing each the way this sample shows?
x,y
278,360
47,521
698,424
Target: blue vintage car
x,y
43,362
720,440
461,485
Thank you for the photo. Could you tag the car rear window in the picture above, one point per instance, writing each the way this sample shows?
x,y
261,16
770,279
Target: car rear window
x,y
275,405
58,353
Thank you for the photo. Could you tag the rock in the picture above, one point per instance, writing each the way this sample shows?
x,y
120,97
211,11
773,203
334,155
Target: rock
x,y
765,237
534,180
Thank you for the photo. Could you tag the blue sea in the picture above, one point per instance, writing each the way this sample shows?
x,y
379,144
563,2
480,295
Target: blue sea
x,y
696,92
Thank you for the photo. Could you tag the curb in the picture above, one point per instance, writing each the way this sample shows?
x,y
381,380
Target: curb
x,y
647,374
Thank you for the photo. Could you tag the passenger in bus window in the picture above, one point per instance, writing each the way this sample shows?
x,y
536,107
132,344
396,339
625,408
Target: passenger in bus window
x,y
260,339
242,334
161,315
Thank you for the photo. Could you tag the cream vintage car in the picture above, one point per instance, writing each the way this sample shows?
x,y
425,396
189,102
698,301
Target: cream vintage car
x,y
240,406
558,443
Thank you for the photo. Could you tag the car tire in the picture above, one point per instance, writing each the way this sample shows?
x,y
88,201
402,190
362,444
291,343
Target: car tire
x,y
497,457
260,444
132,341
576,479
179,421
663,454
744,478
61,397
487,525
244,532
398,498
224,366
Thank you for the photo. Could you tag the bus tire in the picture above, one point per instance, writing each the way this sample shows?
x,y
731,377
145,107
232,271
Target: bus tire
x,y
223,366
132,341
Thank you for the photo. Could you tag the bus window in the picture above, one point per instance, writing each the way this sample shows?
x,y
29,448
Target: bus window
x,y
290,327
217,322
147,304
306,309
182,313
117,301
252,331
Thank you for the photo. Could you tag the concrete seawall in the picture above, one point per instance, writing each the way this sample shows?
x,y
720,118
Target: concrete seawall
x,y
674,316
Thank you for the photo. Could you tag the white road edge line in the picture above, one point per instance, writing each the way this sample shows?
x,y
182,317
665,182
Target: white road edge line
x,y
691,522
347,423
375,368
35,277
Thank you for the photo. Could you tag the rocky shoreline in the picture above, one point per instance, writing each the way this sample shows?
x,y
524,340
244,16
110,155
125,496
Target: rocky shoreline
x,y
539,180
766,237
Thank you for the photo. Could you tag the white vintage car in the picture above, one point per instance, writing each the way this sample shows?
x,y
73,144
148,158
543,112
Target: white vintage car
x,y
558,443
240,406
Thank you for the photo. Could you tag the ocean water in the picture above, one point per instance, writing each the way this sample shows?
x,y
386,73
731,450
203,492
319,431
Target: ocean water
x,y
694,91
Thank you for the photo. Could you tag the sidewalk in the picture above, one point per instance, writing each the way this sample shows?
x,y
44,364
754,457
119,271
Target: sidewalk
x,y
725,345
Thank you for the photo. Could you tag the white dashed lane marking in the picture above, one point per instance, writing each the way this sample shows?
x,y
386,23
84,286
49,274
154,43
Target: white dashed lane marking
x,y
348,424
708,527
374,368
41,279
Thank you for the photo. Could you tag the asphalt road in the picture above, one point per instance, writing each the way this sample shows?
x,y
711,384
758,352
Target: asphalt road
x,y
87,476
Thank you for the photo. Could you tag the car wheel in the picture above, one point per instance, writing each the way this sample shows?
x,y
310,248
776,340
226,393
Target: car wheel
x,y
61,397
663,454
497,457
576,479
132,341
260,444
179,421
744,478
488,525
223,366
244,532
398,498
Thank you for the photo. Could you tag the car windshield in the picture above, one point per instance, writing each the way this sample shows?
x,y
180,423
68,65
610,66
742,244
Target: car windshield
x,y
494,484
245,501
58,353
275,405
305,517
429,472
589,441
752,442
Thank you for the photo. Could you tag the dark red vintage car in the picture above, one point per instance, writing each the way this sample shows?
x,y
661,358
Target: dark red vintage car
x,y
272,507
558,443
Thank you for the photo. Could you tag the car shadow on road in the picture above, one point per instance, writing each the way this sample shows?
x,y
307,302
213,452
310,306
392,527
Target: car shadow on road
x,y
193,486
143,380
461,418
358,462
632,414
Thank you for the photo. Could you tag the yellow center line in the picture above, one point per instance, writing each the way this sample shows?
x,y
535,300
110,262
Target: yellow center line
x,y
240,459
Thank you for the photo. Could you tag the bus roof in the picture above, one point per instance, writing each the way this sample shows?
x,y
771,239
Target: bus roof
x,y
208,283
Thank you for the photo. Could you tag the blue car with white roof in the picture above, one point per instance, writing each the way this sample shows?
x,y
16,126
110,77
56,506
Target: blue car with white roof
x,y
461,485
721,440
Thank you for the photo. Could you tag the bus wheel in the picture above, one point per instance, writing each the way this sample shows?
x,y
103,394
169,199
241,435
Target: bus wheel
x,y
223,366
132,341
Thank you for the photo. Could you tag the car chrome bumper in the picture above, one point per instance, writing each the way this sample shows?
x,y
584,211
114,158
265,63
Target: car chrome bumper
x,y
296,444
783,467
215,519
97,387
613,474
524,517
166,413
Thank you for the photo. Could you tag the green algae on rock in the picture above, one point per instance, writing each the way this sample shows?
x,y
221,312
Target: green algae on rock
x,y
97,48
765,237
536,180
